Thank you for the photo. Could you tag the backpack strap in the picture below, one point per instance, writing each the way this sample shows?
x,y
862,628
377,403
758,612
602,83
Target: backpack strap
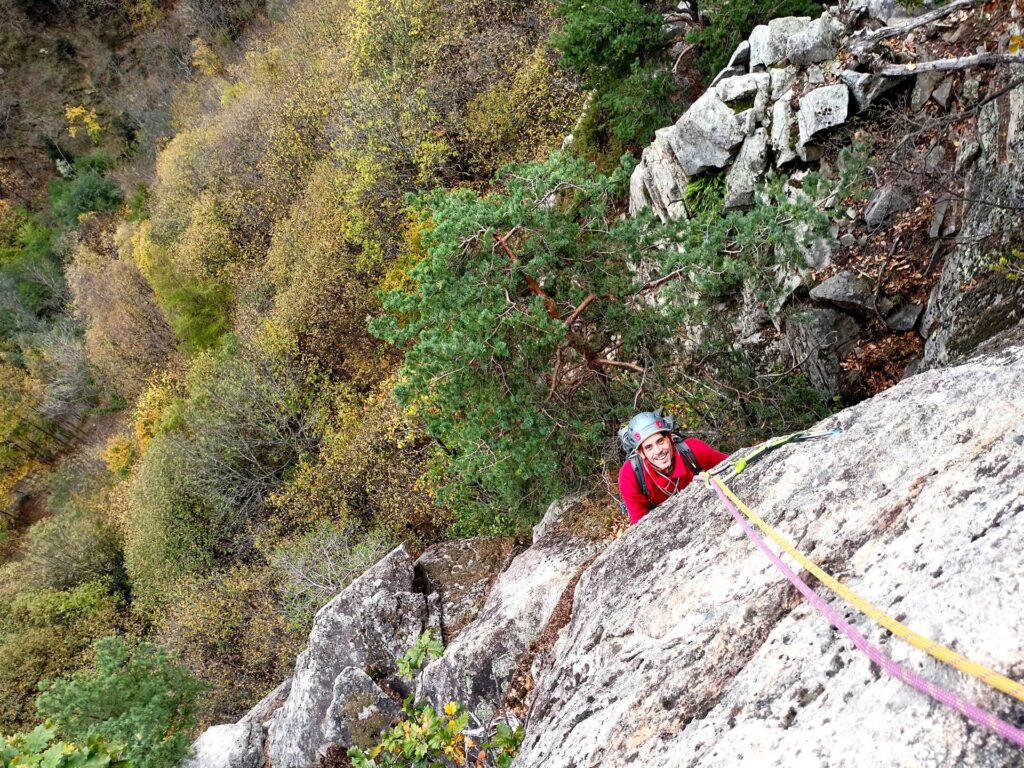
x,y
689,457
638,473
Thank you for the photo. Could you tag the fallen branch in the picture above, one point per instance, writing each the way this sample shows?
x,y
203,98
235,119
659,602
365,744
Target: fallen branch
x,y
951,65
871,39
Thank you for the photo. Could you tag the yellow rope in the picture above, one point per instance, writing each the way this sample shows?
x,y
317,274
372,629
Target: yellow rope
x,y
940,652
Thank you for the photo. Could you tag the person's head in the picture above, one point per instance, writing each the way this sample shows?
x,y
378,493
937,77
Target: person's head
x,y
651,433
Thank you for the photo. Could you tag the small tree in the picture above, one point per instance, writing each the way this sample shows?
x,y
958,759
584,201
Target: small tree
x,y
138,696
521,323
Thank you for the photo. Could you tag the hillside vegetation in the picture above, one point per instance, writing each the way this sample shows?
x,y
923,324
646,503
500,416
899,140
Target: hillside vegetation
x,y
365,296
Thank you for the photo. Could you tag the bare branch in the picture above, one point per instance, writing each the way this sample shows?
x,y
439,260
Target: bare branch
x,y
951,65
869,40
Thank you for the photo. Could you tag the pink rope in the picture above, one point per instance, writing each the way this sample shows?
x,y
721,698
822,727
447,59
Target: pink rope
x,y
876,655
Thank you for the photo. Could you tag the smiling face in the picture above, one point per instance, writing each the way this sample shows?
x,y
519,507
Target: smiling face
x,y
659,450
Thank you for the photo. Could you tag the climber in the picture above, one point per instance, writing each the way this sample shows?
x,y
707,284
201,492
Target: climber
x,y
659,462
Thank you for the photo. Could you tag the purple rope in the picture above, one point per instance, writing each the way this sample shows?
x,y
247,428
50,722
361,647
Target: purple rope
x,y
876,655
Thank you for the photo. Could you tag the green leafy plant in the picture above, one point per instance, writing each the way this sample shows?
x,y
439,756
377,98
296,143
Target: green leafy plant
x,y
139,696
426,647
87,190
1011,267
705,194
424,738
41,749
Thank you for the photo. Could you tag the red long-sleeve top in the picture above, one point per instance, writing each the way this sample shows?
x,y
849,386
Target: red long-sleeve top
x,y
660,486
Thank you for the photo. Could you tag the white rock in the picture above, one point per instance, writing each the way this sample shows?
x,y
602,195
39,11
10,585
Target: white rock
x,y
707,134
769,42
747,170
821,109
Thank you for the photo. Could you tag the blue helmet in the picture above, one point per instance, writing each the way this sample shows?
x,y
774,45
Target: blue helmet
x,y
642,426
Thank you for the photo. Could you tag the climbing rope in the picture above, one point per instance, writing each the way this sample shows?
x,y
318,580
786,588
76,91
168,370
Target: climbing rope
x,y
891,667
936,650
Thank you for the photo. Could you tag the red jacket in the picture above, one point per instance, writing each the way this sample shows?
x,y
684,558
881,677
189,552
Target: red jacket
x,y
658,485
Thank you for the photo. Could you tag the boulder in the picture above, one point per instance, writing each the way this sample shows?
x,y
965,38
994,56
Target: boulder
x,y
751,89
747,170
904,318
846,290
686,647
816,42
866,87
741,56
362,630
888,11
237,745
658,181
924,84
821,109
478,666
732,71
461,573
359,710
769,42
819,338
707,135
884,203
781,80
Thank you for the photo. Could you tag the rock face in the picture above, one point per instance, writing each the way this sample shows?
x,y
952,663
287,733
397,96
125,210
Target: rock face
x,y
686,647
972,302
478,666
461,573
333,699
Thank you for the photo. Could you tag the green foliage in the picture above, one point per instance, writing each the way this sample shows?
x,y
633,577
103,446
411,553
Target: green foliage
x,y
634,107
226,629
1011,267
731,21
201,490
704,195
423,739
72,548
138,696
482,379
613,46
40,749
87,190
425,648
47,633
602,41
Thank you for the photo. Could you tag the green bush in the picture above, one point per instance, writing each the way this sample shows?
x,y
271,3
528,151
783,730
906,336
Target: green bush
x,y
72,548
603,40
47,633
87,190
138,696
732,21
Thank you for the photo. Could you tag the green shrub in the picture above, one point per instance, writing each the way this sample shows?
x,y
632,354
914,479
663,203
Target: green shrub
x,y
47,633
138,696
634,107
72,548
226,629
603,41
425,648
86,191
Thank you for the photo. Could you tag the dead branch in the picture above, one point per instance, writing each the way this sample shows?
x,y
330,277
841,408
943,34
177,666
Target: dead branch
x,y
870,39
951,65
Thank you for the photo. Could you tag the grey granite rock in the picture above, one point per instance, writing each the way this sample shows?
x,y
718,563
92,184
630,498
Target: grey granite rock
x,y
372,622
478,666
904,318
884,203
866,87
846,290
237,745
821,109
782,131
707,135
747,170
686,647
816,42
769,42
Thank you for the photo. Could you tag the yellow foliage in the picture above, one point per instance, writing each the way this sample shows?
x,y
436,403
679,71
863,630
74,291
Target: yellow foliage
x,y
79,118
522,119
205,59
153,409
119,454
